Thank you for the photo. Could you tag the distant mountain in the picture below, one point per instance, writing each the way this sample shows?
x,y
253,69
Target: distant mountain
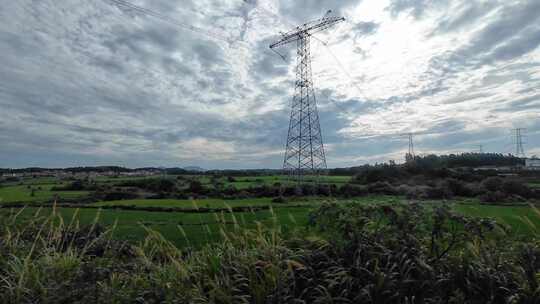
x,y
194,169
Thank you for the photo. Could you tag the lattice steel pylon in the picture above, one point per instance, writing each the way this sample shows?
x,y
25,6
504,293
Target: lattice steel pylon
x,y
304,152
518,140
410,156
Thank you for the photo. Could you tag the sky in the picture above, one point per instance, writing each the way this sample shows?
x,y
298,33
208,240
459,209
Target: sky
x,y
86,83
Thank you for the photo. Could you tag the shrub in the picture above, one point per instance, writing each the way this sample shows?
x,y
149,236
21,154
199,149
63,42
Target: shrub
x,y
279,200
196,187
493,183
230,190
438,173
457,187
153,185
494,197
516,187
436,193
77,185
117,196
380,173
412,192
349,190
382,188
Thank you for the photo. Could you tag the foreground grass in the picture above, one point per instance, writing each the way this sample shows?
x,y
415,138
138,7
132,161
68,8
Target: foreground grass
x,y
364,254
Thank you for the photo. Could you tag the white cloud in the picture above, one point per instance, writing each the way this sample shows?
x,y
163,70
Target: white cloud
x,y
87,83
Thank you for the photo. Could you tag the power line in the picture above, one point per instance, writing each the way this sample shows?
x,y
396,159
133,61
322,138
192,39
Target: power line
x,y
325,44
189,27
344,70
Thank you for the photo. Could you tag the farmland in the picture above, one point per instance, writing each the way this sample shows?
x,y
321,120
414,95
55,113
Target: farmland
x,y
166,235
194,228
197,221
29,193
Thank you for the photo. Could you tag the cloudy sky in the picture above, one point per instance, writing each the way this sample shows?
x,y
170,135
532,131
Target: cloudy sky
x,y
91,83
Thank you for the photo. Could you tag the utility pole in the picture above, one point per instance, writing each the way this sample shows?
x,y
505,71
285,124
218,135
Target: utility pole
x,y
518,134
304,152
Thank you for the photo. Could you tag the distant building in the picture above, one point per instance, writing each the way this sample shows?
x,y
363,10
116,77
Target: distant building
x,y
532,163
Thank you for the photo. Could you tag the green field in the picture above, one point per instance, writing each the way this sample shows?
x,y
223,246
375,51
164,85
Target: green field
x,y
196,229
42,192
254,202
180,228
20,192
522,219
192,204
184,228
244,182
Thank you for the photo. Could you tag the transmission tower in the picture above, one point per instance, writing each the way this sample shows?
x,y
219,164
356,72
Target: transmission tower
x,y
410,154
480,149
518,134
304,152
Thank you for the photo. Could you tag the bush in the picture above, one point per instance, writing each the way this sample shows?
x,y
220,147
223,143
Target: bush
x,y
77,185
279,200
436,193
349,190
494,197
196,187
458,188
152,185
118,196
382,173
230,190
516,187
382,188
493,183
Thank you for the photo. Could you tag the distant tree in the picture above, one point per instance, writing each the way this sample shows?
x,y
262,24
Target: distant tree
x,y
493,183
196,186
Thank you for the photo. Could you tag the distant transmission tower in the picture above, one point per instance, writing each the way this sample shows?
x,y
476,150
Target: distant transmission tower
x,y
410,155
304,153
518,134
480,149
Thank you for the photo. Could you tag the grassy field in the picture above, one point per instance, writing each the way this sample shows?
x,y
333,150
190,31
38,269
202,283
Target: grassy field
x,y
199,228
194,204
196,229
19,191
245,182
522,219
254,202
182,229
42,192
